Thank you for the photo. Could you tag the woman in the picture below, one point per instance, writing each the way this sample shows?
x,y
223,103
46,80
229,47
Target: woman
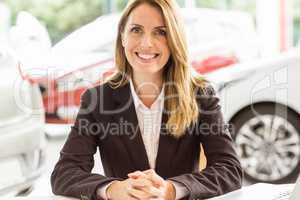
x,y
148,121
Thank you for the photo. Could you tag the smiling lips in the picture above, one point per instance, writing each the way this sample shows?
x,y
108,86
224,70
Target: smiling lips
x,y
147,57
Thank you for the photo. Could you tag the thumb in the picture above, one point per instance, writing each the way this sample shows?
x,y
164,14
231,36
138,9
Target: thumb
x,y
155,178
136,174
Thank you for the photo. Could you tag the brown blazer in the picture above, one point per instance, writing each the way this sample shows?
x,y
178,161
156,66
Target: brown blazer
x,y
122,150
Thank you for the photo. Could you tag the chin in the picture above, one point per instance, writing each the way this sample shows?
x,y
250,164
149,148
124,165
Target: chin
x,y
147,69
147,72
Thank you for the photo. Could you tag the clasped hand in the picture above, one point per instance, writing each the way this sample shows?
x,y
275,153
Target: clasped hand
x,y
141,185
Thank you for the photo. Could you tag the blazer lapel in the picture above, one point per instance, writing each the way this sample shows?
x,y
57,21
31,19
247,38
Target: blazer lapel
x,y
130,133
166,150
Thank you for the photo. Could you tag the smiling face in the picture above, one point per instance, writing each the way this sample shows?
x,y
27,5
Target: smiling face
x,y
145,42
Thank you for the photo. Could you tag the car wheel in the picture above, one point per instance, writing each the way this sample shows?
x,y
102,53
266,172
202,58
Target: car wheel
x,y
267,138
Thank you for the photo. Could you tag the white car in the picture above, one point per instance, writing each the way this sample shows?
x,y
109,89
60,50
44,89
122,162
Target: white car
x,y
261,101
209,33
215,38
22,137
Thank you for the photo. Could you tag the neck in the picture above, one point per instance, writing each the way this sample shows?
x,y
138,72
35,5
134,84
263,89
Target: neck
x,y
147,88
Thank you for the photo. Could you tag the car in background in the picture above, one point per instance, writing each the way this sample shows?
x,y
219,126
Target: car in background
x,y
261,102
216,39
22,137
85,57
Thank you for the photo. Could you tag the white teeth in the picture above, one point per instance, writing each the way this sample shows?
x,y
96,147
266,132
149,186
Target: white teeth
x,y
146,56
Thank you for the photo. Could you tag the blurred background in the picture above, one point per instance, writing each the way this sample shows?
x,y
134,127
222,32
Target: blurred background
x,y
51,51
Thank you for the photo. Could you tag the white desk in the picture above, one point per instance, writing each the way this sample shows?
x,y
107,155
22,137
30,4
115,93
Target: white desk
x,y
257,191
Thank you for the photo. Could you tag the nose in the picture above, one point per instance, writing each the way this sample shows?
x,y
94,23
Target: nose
x,y
147,40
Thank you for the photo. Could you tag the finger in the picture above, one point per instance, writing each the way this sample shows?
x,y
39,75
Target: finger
x,y
159,181
158,193
140,182
130,197
140,194
148,171
154,198
136,174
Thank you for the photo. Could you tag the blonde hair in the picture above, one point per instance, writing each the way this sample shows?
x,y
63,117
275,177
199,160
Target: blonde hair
x,y
182,110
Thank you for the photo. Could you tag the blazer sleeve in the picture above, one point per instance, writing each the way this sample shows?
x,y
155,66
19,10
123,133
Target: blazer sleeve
x,y
72,173
223,172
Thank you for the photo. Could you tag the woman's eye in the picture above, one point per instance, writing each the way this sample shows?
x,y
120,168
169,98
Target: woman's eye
x,y
135,30
161,32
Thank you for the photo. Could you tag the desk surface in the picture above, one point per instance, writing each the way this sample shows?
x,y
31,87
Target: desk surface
x,y
256,191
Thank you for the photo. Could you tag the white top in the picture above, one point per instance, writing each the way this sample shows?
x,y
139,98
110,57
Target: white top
x,y
149,120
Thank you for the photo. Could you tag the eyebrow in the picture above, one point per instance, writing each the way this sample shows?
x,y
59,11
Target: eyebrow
x,y
157,27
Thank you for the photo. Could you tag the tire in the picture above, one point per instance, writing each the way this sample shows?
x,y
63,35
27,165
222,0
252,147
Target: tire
x,y
267,138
